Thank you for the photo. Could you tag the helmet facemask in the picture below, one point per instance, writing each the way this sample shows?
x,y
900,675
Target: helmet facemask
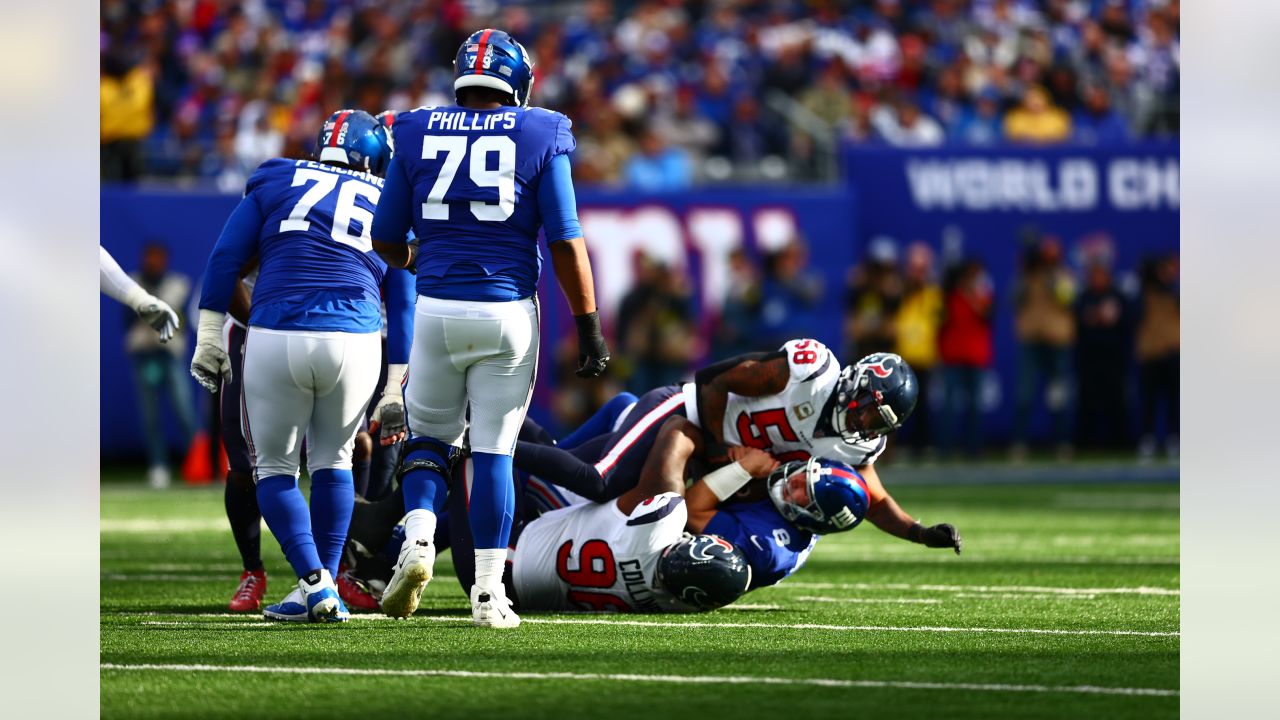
x,y
791,489
859,413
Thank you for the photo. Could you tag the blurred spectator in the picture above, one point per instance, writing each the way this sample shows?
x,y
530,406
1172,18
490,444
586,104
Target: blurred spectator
x,y
965,350
256,140
1158,346
686,129
906,126
1096,123
125,93
1044,323
790,295
871,300
736,330
1102,359
981,125
160,368
658,167
655,326
603,150
917,323
1037,120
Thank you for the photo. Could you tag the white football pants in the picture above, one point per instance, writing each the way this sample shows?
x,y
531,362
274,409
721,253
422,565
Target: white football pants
x,y
478,354
306,384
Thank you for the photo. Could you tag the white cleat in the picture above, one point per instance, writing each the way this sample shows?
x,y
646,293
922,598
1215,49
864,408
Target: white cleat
x,y
491,608
412,573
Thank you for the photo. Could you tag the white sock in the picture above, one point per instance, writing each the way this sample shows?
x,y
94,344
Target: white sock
x,y
489,567
419,525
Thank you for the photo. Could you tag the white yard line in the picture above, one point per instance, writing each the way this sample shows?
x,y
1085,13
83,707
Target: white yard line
x,y
194,623
161,577
1036,589
869,601
699,624
669,679
168,525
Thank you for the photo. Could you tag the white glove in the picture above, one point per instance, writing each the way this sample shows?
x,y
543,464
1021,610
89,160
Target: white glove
x,y
209,363
388,417
155,312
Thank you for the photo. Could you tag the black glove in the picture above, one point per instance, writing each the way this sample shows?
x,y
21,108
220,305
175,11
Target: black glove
x,y
593,353
938,536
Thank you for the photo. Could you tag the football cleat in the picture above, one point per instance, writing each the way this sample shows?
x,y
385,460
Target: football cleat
x,y
412,573
253,586
491,608
355,592
292,609
323,602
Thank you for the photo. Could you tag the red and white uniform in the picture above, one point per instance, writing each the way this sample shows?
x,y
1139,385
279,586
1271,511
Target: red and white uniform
x,y
594,557
784,424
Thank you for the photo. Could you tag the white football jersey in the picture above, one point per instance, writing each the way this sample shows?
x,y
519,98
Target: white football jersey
x,y
784,424
594,557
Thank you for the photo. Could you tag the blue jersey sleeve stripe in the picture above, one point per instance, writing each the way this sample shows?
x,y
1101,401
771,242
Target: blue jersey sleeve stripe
x,y
394,213
557,202
237,243
399,295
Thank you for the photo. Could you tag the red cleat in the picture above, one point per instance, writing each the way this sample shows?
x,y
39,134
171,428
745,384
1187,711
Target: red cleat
x,y
253,586
354,592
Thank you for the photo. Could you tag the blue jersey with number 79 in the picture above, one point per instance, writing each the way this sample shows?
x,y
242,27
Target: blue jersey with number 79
x,y
476,186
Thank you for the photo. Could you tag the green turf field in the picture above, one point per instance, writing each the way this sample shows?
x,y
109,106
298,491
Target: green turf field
x,y
1064,604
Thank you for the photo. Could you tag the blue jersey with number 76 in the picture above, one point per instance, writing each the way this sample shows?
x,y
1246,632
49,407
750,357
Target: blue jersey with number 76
x,y
476,186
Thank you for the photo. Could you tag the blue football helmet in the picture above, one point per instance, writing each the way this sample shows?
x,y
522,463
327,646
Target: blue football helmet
x,y
873,397
493,59
819,495
386,119
355,139
704,571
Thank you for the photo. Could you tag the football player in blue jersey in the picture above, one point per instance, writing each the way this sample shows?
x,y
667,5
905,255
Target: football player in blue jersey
x,y
312,349
476,182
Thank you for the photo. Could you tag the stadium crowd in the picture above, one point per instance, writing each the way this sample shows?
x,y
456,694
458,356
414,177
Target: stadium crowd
x,y
663,93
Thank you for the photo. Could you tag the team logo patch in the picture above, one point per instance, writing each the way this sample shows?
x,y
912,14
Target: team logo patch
x,y
803,410
881,368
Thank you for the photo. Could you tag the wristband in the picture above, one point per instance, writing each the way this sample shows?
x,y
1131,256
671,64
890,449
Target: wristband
x,y
395,379
914,532
726,481
209,329
137,297
588,325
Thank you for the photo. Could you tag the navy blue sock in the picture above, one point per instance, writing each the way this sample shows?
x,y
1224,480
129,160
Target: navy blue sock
x,y
599,423
492,502
332,499
285,511
425,489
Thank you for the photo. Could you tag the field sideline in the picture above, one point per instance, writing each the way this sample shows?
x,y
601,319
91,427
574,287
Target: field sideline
x,y
1064,603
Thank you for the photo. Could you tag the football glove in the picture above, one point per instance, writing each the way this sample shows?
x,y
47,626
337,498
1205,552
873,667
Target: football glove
x,y
209,363
944,535
160,316
593,353
388,419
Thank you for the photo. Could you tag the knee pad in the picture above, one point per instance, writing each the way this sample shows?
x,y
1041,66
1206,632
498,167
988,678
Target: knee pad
x,y
445,457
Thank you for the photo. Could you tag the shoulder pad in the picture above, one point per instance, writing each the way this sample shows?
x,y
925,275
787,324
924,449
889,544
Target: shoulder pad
x,y
808,359
275,167
556,125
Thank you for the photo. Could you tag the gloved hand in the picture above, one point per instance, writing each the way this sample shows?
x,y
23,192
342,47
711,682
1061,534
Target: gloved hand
x,y
209,363
944,535
388,419
158,315
593,353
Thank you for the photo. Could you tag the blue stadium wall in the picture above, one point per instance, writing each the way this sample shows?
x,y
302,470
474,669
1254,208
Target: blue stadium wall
x,y
974,202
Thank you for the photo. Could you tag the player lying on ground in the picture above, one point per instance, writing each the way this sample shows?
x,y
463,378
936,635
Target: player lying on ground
x,y
631,554
312,350
795,403
120,287
476,182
